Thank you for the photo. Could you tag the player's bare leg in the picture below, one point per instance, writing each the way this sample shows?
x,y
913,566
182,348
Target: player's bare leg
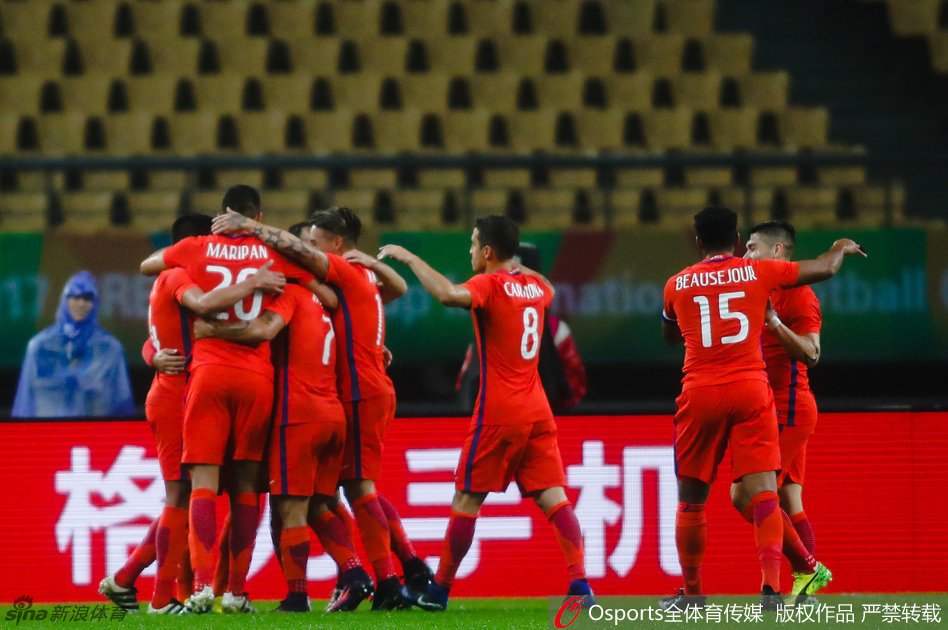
x,y
376,537
205,479
293,548
691,539
559,512
244,519
354,584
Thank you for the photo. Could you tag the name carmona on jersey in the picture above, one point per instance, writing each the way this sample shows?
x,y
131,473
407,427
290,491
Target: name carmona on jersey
x,y
237,252
524,291
714,278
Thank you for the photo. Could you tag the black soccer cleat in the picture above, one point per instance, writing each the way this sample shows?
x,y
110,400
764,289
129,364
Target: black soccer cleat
x,y
682,601
434,600
418,575
356,586
391,594
294,603
770,600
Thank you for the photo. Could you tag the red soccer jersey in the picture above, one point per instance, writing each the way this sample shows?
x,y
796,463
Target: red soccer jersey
x,y
169,323
719,305
360,331
799,310
304,355
219,261
508,310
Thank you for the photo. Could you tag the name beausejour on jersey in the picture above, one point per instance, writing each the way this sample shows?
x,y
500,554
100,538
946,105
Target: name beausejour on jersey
x,y
732,275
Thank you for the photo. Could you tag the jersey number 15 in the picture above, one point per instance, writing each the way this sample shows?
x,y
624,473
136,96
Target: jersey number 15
x,y
704,306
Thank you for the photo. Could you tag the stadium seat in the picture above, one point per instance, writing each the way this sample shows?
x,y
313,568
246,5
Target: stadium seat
x,y
489,17
601,130
8,126
358,92
151,93
85,212
728,53
329,132
699,91
193,133
689,17
396,132
573,178
117,181
635,17
659,54
841,175
287,92
419,209
226,20
293,20
224,178
162,20
444,178
812,206
773,175
220,93
360,201
424,19
263,132
938,48
667,128
241,55
532,131
38,57
425,91
305,179
168,180
181,58
592,55
506,178
629,91
20,94
765,90
129,133
109,57
803,128
878,205
624,207
486,201
560,91
62,134
677,206
23,212
733,129
549,208
319,56
384,178
639,177
29,20
385,55
708,176
466,131
917,17
559,18
153,210
285,207
496,92
358,19
523,54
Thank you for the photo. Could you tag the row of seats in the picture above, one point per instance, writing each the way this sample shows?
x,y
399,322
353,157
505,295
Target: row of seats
x,y
30,94
104,19
433,208
389,132
927,18
664,54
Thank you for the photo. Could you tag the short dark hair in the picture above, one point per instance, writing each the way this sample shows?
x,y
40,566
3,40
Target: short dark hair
x,y
243,199
782,231
500,233
190,225
341,221
716,227
297,228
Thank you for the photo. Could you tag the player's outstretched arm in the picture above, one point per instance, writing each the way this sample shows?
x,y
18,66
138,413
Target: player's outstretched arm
x,y
154,264
435,283
233,222
391,285
201,303
250,333
804,348
828,263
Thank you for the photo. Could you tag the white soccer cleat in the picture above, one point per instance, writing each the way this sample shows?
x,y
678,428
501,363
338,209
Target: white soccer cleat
x,y
231,604
124,598
174,607
201,601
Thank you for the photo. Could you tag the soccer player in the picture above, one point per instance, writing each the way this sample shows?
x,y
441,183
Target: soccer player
x,y
791,345
229,401
716,307
307,441
174,298
512,433
362,285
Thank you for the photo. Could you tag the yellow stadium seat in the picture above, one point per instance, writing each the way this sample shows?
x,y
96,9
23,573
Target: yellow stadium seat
x,y
91,19
443,178
358,92
660,54
549,208
151,93
129,133
168,180
812,206
773,175
560,91
418,209
39,57
667,128
913,17
61,134
23,212
506,178
226,177
87,94
454,56
106,56
804,128
180,57
532,131
292,20
592,55
732,197
522,54
226,20
760,201
765,90
496,92
677,206
358,18
733,128
242,55
425,92
28,20
728,53
573,178
639,177
630,92
555,18
305,179
360,201
489,201
489,18
841,175
624,207
219,93
290,203
153,210
316,55
397,132
193,133
160,20
20,94
106,180
601,130
373,178
938,47
385,55
466,130
630,17
424,19
85,212
708,176
287,92
330,132
699,90
8,126
263,132
879,204
205,201
689,17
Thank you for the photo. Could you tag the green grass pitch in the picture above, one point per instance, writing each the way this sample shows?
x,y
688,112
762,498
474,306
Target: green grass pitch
x,y
498,613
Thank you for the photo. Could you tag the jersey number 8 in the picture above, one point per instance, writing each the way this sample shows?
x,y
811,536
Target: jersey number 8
x,y
530,342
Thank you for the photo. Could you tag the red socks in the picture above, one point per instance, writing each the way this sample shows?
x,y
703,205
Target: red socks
x,y
801,560
335,538
803,528
245,516
570,537
691,538
294,554
185,575
171,545
222,569
457,542
401,544
375,535
201,537
768,532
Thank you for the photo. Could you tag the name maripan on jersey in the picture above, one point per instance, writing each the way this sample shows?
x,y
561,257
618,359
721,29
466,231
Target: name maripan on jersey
x,y
237,252
714,278
524,291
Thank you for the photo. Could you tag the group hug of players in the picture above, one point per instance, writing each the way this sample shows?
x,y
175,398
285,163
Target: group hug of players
x,y
271,377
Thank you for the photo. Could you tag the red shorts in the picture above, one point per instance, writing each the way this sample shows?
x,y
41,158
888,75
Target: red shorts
x,y
797,424
709,418
495,454
164,410
306,458
366,421
227,413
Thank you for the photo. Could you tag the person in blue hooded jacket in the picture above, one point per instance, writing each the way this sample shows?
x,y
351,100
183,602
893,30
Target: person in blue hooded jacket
x,y
74,368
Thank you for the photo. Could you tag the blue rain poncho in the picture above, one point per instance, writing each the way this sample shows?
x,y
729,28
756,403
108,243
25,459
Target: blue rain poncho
x,y
74,368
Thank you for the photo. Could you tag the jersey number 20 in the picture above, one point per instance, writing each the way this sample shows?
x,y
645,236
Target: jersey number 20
x,y
704,305
227,279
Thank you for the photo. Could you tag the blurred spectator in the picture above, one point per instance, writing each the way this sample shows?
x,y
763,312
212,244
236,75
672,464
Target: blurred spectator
x,y
561,368
74,368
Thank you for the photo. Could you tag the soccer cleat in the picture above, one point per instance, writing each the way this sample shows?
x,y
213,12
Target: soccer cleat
x,y
434,600
174,607
392,594
294,603
124,598
770,600
201,601
233,604
682,601
418,576
355,586
336,592
581,588
807,584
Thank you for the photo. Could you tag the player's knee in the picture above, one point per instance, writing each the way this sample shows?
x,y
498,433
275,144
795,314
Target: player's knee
x,y
738,499
358,488
177,494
